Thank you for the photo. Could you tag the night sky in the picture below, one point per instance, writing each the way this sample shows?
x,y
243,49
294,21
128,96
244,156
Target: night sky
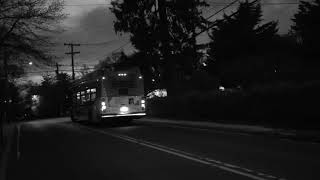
x,y
91,23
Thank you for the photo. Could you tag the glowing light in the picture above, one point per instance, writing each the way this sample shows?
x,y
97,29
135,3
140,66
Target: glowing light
x,y
30,63
221,88
124,109
122,74
103,78
140,77
103,106
153,80
143,103
35,99
158,93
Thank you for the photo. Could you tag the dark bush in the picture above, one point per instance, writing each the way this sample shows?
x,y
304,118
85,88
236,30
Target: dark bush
x,y
283,105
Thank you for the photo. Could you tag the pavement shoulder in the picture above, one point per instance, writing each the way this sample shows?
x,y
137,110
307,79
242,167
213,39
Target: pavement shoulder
x,y
299,135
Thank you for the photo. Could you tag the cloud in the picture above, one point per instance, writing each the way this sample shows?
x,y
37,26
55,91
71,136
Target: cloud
x,y
92,27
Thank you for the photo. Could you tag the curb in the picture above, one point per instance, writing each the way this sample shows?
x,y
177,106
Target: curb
x,y
302,136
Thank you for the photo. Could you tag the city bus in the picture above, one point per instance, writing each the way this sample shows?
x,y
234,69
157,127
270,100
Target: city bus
x,y
116,92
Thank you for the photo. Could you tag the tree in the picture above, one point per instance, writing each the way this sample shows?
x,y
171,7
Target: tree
x,y
84,70
237,41
161,30
306,27
25,26
115,57
55,95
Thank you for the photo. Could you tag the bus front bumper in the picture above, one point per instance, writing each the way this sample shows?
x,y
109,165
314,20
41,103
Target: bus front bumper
x,y
123,115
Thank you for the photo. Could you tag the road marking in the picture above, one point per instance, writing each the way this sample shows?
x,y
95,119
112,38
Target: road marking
x,y
207,161
209,130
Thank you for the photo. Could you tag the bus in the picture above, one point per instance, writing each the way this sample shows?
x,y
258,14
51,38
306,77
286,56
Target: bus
x,y
116,92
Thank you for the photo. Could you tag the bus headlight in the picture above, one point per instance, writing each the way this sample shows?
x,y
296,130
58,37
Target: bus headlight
x,y
103,106
124,109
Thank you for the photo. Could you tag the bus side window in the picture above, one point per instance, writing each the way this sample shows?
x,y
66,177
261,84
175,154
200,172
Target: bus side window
x,y
87,95
78,100
83,97
93,94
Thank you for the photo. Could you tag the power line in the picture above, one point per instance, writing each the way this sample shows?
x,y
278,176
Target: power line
x,y
216,22
222,9
97,43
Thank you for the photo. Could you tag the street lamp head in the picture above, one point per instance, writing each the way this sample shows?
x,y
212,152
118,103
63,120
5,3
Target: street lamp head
x,y
30,63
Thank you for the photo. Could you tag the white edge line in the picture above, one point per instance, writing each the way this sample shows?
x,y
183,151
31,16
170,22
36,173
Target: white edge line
x,y
140,142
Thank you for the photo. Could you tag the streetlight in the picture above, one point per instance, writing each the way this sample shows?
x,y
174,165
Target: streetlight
x,y
30,63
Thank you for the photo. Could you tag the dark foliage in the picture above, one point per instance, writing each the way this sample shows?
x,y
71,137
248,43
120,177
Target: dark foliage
x,y
55,95
240,44
165,36
307,27
282,105
12,103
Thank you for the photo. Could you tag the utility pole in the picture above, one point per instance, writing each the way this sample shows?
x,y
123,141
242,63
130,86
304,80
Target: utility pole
x,y
72,53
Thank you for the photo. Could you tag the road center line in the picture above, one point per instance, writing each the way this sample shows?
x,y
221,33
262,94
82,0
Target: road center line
x,y
207,161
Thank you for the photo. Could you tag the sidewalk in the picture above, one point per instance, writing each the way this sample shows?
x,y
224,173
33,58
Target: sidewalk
x,y
307,136
9,133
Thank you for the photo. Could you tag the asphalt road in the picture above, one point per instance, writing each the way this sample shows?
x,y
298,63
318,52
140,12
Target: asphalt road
x,y
64,150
